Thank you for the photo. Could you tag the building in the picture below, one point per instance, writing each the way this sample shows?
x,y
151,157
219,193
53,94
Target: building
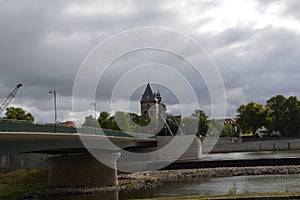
x,y
151,103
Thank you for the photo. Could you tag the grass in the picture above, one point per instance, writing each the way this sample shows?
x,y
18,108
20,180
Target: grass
x,y
22,181
151,180
233,189
128,183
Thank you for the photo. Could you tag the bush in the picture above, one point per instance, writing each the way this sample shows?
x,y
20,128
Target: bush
x,y
22,181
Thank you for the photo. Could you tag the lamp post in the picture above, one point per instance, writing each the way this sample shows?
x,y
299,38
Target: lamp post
x,y
55,110
95,107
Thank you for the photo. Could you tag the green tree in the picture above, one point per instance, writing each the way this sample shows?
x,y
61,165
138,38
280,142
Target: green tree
x,y
189,125
112,124
292,116
276,106
18,114
123,120
203,122
227,131
173,123
90,121
251,117
284,114
215,127
144,120
169,125
103,120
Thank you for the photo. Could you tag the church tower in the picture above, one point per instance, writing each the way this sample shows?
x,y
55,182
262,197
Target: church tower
x,y
151,103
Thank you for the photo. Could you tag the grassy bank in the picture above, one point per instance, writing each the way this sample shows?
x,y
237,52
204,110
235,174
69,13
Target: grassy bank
x,y
22,181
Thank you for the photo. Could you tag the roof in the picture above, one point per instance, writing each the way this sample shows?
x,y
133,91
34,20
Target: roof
x,y
148,96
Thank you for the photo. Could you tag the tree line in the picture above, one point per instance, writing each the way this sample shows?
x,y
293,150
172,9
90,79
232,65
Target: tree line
x,y
278,114
197,123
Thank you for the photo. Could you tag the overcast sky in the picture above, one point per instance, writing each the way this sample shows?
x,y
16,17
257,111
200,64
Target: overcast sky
x,y
254,44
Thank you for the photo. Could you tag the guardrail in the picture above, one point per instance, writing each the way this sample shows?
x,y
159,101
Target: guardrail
x,y
25,126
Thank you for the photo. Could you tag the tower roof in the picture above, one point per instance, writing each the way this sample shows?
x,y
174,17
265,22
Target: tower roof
x,y
148,95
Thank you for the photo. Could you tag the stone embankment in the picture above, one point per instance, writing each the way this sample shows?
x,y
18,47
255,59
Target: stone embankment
x,y
147,180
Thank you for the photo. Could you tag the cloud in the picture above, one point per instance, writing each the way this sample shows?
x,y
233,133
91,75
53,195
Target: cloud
x,y
255,45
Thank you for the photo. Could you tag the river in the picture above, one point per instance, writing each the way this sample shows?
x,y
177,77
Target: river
x,y
207,186
213,186
252,155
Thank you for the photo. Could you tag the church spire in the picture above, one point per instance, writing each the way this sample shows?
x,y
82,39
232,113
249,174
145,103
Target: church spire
x,y
148,95
158,96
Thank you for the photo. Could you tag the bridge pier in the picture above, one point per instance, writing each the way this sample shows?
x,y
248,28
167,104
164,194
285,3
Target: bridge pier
x,y
82,170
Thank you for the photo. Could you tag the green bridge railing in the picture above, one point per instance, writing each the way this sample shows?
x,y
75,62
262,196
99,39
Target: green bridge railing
x,y
25,126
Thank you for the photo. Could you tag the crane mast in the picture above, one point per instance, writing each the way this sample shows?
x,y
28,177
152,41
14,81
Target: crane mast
x,y
9,98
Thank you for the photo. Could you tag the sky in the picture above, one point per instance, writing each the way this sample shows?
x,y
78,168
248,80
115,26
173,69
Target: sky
x,y
255,46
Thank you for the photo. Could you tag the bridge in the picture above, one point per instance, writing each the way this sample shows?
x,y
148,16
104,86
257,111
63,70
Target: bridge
x,y
70,163
58,143
73,165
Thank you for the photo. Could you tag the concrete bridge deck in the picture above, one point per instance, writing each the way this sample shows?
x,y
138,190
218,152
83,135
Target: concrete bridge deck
x,y
34,142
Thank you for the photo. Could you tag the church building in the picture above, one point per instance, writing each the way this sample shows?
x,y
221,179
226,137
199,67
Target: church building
x,y
151,103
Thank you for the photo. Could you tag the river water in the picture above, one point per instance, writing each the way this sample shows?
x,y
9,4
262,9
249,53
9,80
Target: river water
x,y
212,186
252,155
205,186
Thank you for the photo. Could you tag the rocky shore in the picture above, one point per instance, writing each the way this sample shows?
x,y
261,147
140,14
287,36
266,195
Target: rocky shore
x,y
147,180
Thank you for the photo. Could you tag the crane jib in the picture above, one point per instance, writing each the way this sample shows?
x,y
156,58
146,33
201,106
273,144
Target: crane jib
x,y
9,98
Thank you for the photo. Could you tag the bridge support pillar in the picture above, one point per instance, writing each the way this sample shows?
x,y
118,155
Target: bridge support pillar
x,y
193,152
82,170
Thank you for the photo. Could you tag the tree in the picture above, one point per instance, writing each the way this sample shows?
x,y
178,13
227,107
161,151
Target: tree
x,y
215,127
227,131
251,117
90,121
284,114
197,123
203,122
169,125
123,120
189,125
292,116
18,114
276,109
173,123
103,120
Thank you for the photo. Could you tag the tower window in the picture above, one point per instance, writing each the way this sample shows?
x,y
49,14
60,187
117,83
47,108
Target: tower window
x,y
148,106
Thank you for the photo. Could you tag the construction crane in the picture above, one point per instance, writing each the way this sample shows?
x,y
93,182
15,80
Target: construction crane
x,y
9,98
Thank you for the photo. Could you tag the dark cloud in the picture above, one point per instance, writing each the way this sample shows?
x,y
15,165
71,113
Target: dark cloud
x,y
43,44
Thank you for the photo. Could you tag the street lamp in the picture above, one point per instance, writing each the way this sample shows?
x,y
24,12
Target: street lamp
x,y
55,110
95,107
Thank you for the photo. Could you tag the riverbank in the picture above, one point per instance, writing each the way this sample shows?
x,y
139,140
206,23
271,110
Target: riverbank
x,y
254,196
146,180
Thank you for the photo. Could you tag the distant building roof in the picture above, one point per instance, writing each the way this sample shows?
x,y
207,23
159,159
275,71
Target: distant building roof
x,y
229,121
